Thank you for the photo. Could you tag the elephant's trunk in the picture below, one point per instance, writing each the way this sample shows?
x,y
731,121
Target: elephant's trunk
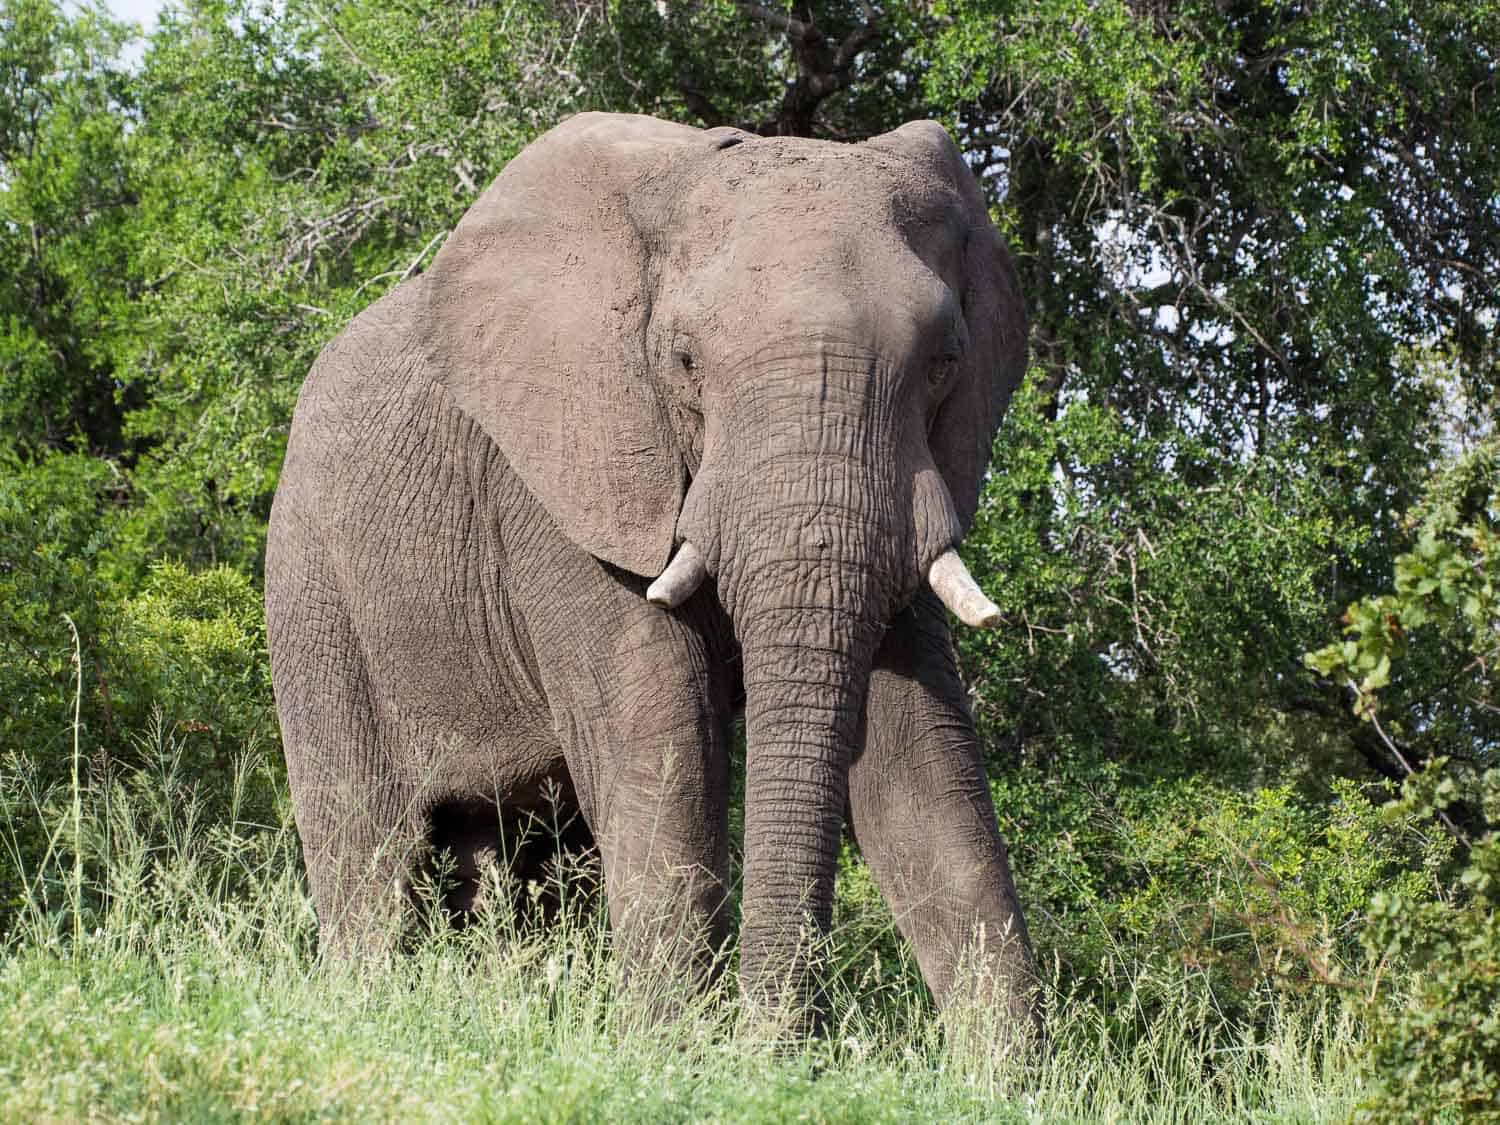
x,y
806,671
810,605
803,514
819,513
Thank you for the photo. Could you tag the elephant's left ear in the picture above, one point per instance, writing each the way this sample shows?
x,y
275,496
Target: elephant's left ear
x,y
994,312
540,303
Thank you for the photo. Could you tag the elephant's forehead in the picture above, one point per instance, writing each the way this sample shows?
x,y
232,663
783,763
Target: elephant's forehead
x,y
784,176
808,205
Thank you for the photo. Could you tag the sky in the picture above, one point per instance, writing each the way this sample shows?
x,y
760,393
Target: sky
x,y
142,12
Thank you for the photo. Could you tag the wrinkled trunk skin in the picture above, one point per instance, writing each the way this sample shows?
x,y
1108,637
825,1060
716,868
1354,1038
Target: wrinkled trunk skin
x,y
810,541
802,717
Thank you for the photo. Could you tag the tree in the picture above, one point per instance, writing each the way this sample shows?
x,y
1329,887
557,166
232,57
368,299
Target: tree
x,y
65,194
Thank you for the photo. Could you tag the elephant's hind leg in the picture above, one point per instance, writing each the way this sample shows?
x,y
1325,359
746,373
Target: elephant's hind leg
x,y
922,815
355,809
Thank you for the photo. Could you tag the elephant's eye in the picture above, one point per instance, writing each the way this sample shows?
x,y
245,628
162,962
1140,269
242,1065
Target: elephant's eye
x,y
941,373
684,359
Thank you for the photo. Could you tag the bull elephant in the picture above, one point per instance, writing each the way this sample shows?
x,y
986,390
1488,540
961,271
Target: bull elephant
x,y
678,422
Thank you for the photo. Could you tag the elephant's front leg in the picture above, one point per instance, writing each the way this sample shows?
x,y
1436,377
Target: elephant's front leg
x,y
647,747
923,818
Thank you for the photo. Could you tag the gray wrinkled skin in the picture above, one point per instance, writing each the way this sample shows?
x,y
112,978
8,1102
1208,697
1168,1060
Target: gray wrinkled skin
x,y
792,354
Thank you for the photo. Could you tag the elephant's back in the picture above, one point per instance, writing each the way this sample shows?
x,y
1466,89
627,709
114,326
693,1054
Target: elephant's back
x,y
361,380
373,446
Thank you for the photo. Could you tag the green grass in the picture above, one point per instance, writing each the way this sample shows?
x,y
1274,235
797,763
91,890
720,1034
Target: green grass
x,y
180,981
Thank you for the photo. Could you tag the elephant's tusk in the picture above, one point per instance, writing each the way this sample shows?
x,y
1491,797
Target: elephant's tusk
x,y
952,582
684,574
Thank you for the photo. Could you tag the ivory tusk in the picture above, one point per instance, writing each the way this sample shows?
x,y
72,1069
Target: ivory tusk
x,y
953,583
684,574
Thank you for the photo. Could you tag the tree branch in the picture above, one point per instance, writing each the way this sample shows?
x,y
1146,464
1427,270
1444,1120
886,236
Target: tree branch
x,y
823,67
795,29
697,101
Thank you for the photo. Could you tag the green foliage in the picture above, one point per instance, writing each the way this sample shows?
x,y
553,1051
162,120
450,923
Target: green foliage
x,y
1434,1048
195,643
1422,654
191,643
1416,662
52,560
187,652
1277,174
65,211
1164,617
1261,892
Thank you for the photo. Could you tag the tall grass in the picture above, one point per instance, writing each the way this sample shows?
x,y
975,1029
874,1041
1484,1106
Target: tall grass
x,y
164,966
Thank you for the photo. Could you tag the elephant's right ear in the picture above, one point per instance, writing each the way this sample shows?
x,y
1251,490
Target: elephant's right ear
x,y
538,317
994,311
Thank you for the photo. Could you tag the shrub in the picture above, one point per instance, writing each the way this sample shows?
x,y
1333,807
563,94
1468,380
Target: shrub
x,y
176,672
1260,892
1434,1029
1417,665
194,646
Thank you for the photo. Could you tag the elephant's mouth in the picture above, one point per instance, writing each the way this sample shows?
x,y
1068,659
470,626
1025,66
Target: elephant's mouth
x,y
947,574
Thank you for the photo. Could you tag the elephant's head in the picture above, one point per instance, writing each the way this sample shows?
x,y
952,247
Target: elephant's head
x,y
783,360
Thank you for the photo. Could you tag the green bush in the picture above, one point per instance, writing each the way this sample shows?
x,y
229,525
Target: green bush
x,y
1417,665
54,575
182,664
194,645
1261,892
1434,1015
54,538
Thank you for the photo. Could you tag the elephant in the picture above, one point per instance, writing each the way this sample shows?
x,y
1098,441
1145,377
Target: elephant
x,y
678,426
